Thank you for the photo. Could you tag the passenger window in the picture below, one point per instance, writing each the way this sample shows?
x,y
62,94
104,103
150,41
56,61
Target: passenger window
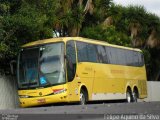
x,y
92,53
102,54
82,52
71,60
128,58
120,57
141,60
113,55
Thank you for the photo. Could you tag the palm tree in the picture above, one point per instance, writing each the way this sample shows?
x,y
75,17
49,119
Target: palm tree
x,y
152,40
136,17
72,14
154,30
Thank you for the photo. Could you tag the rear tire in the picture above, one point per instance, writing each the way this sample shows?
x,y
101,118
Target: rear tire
x,y
128,96
134,96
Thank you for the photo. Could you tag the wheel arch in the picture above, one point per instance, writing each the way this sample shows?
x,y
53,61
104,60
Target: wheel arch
x,y
128,87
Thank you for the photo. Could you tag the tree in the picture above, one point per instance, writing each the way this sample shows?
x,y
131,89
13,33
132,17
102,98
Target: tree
x,y
22,24
72,15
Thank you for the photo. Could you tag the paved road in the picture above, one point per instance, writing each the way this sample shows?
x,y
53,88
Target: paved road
x,y
108,111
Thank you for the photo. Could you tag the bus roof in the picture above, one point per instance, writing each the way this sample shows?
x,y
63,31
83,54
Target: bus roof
x,y
60,39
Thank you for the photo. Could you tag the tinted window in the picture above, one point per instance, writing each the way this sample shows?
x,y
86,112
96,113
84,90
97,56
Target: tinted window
x,y
112,55
86,52
106,54
82,52
136,59
121,57
102,54
129,57
124,57
71,60
92,53
141,59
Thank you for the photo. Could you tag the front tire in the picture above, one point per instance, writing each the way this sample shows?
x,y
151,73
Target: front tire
x,y
83,97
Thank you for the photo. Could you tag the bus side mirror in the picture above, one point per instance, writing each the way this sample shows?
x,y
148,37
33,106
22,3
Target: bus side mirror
x,y
13,66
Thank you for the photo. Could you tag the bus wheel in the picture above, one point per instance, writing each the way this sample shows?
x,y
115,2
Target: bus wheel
x,y
128,96
83,97
134,96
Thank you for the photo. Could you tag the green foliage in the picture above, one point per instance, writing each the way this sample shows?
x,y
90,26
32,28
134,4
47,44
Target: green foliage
x,y
30,24
108,34
101,9
136,14
3,49
22,22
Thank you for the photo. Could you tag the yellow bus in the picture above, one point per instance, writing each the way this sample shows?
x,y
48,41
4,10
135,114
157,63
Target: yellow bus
x,y
76,69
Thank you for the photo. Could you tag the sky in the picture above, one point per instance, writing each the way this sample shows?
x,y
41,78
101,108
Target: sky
x,y
152,6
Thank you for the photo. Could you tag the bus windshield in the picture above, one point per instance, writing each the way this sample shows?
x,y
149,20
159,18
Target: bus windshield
x,y
42,66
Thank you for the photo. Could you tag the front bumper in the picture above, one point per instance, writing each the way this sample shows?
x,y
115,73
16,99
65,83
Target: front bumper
x,y
43,100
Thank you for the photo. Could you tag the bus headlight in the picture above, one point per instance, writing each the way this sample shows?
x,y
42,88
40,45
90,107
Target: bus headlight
x,y
23,96
58,91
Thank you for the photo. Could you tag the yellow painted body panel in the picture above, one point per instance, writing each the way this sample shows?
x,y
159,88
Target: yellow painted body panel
x,y
43,96
98,78
105,78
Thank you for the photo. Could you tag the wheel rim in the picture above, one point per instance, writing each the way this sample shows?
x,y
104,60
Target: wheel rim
x,y
128,97
82,98
134,97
